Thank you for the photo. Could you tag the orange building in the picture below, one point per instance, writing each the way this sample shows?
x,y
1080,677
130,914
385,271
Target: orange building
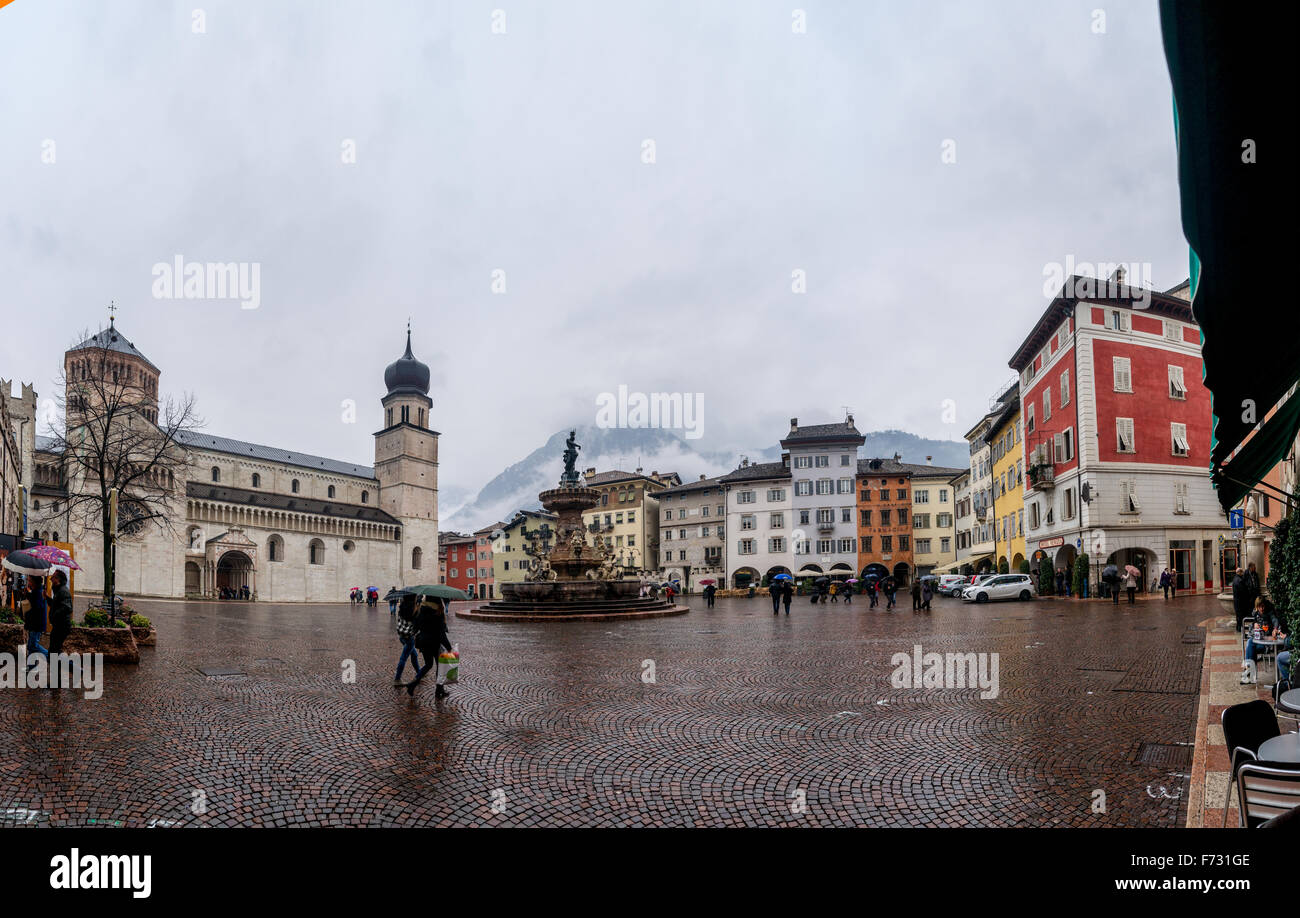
x,y
884,488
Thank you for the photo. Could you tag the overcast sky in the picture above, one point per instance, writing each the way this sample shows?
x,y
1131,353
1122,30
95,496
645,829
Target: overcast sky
x,y
523,152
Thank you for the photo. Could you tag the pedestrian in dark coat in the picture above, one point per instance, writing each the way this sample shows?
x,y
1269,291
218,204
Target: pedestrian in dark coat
x,y
406,632
430,638
60,612
710,592
891,592
872,595
777,591
916,596
1243,598
34,618
926,596
787,594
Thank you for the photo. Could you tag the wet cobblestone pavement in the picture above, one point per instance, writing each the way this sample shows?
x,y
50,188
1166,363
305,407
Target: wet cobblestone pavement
x,y
752,720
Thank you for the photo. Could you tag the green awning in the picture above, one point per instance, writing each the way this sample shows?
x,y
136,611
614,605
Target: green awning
x,y
1232,66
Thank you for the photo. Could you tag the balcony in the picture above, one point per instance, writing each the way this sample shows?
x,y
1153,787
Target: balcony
x,y
1042,477
825,527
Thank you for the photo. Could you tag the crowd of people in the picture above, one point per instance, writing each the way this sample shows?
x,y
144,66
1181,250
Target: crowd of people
x,y
45,604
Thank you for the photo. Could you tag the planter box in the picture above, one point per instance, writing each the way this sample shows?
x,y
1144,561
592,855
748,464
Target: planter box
x,y
116,644
145,637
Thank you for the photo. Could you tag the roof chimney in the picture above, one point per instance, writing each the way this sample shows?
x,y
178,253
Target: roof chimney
x,y
591,471
702,476
1118,276
849,420
794,424
929,460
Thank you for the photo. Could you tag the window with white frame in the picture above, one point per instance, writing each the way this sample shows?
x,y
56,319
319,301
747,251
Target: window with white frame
x,y
1124,442
776,521
745,546
844,486
1128,496
1180,497
825,515
1122,371
1033,515
742,497
1047,403
825,486
923,546
1177,387
803,462
776,544
846,514
1173,331
848,546
802,488
747,522
823,462
775,495
1178,433
1065,388
1068,505
1029,421
921,497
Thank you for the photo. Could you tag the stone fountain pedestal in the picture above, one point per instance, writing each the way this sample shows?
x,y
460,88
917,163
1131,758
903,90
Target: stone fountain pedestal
x,y
576,594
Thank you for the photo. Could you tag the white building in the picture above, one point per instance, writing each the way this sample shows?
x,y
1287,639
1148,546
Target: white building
x,y
823,468
759,525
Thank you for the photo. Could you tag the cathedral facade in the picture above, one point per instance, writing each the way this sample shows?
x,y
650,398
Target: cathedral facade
x,y
285,526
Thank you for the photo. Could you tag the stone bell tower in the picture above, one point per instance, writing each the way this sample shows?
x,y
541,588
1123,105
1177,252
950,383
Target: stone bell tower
x,y
406,464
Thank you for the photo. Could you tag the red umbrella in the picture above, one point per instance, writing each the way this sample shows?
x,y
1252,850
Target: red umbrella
x,y
708,581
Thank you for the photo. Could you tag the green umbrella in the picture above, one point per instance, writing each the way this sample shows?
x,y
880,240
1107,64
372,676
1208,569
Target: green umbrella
x,y
437,589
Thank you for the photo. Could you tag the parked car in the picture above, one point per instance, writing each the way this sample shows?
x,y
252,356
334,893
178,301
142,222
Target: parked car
x,y
953,584
973,581
1000,586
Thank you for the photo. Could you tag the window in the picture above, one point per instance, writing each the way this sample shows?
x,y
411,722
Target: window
x,y
803,517
1047,404
824,486
216,473
293,486
775,495
1029,421
1117,320
803,462
776,544
847,546
1122,371
746,546
825,546
742,497
668,534
631,516
1067,511
945,545
417,558
681,556
455,572
257,480
802,488
923,546
844,459
901,494
316,552
681,533
825,516
865,516
1180,497
904,542
668,514
1128,499
1065,388
365,497
330,492
1179,434
902,516
275,548
866,543
776,521
943,495
844,486
747,522
823,462
921,497
943,520
1177,388
681,514
846,515
884,517
1173,331
920,521
886,543
1124,435
1033,515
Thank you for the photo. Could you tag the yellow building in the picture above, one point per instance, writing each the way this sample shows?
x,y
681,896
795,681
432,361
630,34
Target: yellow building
x,y
1008,511
510,562
934,507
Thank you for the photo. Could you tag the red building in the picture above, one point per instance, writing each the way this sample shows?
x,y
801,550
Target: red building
x,y
1117,434
459,554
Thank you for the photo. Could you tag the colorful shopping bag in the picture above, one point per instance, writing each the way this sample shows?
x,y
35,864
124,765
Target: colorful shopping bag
x,y
448,667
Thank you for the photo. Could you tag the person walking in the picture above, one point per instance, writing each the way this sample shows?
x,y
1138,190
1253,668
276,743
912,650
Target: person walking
x,y
777,591
1131,586
916,595
848,594
406,634
787,595
392,600
872,597
60,611
35,618
926,596
1164,582
835,592
430,638
1242,601
710,591
891,592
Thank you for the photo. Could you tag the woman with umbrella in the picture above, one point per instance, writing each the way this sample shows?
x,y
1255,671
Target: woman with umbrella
x,y
1131,580
431,632
1110,576
32,598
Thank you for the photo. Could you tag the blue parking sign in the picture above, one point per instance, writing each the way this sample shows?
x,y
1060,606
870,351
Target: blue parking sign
x,y
1236,519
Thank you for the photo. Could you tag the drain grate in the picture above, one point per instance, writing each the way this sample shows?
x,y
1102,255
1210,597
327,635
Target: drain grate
x,y
221,671
1164,755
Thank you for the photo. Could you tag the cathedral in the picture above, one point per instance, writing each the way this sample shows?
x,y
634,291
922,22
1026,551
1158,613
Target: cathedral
x,y
283,526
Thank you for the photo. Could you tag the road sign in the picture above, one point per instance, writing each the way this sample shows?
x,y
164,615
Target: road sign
x,y
1236,519
1078,543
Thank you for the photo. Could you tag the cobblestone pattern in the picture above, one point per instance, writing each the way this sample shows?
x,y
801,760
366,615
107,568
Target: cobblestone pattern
x,y
751,720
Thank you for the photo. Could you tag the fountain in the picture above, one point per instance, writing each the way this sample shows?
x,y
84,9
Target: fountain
x,y
574,581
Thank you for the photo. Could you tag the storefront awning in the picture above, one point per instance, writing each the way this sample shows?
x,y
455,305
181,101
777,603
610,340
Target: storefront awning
x,y
1230,66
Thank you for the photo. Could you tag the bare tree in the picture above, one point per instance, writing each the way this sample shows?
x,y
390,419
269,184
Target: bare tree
x,y
118,436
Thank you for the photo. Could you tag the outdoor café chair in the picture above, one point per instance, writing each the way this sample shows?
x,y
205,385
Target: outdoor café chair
x,y
1245,728
1282,708
1266,791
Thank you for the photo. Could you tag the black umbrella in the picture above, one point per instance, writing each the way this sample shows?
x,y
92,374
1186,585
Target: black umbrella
x,y
24,562
1110,572
822,580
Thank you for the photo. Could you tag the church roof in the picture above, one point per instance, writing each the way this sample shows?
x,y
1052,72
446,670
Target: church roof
x,y
203,491
196,440
110,339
